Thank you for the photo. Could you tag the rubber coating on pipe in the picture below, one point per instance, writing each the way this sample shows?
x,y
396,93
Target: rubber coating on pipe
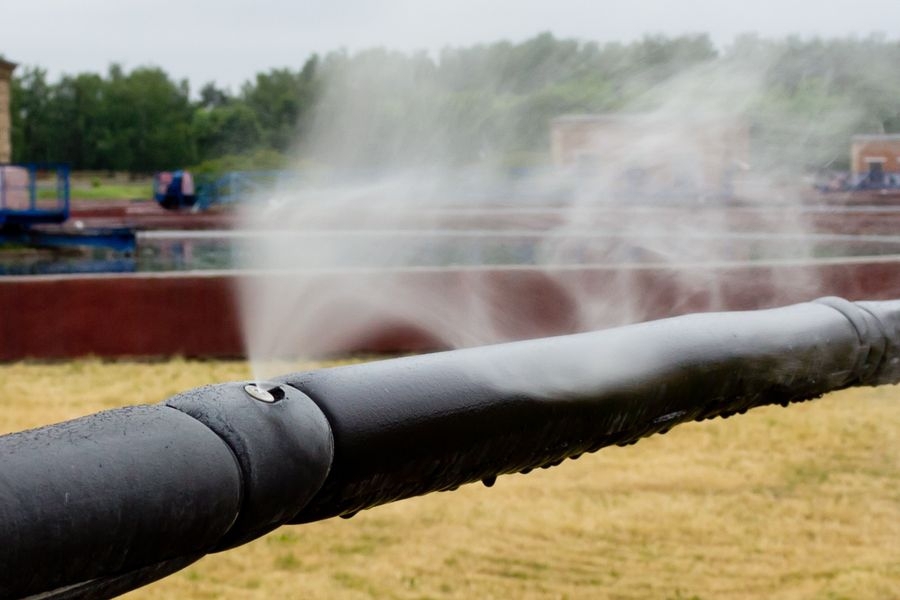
x,y
108,494
415,425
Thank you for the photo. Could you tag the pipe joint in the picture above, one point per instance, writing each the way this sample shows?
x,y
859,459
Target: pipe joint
x,y
878,326
281,440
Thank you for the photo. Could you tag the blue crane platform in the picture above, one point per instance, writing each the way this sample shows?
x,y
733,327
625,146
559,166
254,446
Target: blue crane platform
x,y
34,206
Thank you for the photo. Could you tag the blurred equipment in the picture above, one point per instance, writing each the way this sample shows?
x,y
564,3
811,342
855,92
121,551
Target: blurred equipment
x,y
176,190
34,206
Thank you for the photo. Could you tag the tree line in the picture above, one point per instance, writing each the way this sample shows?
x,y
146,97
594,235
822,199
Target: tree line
x,y
802,99
142,120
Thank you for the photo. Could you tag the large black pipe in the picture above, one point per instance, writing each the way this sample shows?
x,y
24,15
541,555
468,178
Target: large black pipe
x,y
99,505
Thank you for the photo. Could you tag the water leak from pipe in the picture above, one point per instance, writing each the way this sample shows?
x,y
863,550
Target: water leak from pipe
x,y
397,236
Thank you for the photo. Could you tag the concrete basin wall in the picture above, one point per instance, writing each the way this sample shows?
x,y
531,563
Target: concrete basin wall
x,y
196,314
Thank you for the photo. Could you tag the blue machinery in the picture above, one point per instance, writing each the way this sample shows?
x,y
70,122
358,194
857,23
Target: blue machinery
x,y
31,214
20,205
178,190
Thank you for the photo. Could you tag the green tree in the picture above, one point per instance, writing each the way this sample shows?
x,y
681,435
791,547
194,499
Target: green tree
x,y
212,96
477,104
32,123
280,99
77,120
232,128
147,121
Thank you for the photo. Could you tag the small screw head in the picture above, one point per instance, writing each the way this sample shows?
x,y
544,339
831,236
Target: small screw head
x,y
259,393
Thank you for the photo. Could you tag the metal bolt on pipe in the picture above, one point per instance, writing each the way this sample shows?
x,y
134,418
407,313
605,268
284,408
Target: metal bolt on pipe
x,y
97,506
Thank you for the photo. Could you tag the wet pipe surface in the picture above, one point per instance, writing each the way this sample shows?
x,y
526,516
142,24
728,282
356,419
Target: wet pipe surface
x,y
353,437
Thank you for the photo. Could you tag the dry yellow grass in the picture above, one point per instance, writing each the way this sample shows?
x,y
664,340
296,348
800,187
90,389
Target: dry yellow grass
x,y
780,503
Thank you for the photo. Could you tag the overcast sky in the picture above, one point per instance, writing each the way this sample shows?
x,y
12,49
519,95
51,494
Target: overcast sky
x,y
228,41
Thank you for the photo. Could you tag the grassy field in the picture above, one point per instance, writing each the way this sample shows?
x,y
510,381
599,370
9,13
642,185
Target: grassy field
x,y
780,503
123,191
113,191
85,185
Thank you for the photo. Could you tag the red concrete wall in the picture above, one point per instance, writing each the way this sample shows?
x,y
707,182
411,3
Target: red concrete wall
x,y
68,316
196,315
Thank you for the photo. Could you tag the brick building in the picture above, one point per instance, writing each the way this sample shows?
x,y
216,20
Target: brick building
x,y
875,157
658,154
6,69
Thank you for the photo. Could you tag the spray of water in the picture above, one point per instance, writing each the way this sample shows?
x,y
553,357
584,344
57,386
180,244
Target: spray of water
x,y
412,227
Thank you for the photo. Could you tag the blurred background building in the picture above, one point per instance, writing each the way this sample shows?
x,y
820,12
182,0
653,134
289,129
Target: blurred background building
x,y
875,159
6,69
655,154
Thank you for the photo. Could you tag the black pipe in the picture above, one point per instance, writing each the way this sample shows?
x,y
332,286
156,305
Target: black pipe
x,y
103,504
110,493
426,423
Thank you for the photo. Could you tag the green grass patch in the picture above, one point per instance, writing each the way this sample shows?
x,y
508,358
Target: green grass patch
x,y
287,562
104,191
352,581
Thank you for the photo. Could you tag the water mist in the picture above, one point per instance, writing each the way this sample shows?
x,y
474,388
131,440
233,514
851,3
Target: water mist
x,y
405,229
